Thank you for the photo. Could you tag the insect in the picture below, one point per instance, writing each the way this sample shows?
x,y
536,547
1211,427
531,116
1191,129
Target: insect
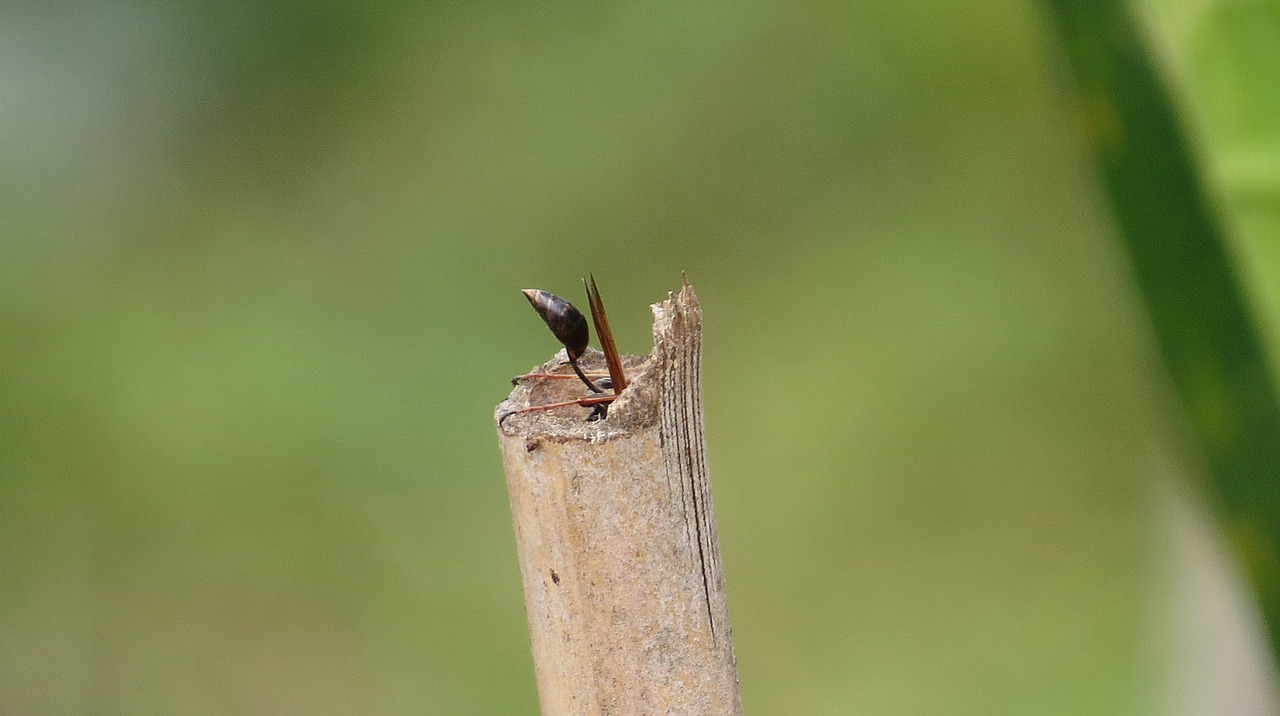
x,y
569,327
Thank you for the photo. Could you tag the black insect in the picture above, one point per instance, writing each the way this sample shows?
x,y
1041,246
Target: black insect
x,y
570,328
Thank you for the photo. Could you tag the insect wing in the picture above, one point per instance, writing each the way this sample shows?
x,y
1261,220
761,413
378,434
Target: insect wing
x,y
601,320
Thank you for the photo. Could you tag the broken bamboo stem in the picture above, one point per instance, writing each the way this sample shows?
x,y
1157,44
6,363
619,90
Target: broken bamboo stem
x,y
616,536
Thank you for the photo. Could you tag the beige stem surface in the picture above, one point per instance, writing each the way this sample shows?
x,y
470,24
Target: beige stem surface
x,y
617,537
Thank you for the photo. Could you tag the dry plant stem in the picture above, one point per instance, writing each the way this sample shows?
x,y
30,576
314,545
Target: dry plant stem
x,y
617,541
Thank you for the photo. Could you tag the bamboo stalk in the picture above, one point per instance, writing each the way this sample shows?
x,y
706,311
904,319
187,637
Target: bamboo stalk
x,y
616,535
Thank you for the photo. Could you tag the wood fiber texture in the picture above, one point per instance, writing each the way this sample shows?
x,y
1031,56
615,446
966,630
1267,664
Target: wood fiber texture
x,y
616,536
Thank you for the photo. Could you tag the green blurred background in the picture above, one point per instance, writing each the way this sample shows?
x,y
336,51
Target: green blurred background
x,y
259,278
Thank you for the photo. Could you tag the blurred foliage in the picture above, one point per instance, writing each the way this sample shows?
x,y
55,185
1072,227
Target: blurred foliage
x,y
259,290
1181,253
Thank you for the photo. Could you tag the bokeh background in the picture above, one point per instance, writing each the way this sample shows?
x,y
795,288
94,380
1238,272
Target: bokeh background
x,y
259,273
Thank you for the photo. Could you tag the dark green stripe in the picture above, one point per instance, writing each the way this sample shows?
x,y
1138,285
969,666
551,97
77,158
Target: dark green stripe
x,y
1194,292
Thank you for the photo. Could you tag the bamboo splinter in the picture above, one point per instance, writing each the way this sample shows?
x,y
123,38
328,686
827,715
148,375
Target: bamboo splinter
x,y
616,535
